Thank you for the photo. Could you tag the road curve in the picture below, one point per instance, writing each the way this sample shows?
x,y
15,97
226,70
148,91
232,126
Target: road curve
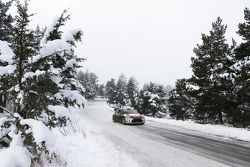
x,y
233,153
159,145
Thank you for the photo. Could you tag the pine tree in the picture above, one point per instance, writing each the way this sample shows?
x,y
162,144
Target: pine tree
x,y
121,87
89,80
152,100
111,91
132,90
44,87
241,116
179,102
6,21
211,74
101,90
24,47
51,80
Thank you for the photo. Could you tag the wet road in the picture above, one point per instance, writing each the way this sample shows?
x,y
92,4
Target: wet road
x,y
230,152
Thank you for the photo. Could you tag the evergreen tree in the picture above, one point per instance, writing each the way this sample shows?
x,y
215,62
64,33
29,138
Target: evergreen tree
x,y
5,32
179,102
44,88
132,90
241,116
121,89
101,90
152,100
211,74
24,47
111,91
89,80
6,21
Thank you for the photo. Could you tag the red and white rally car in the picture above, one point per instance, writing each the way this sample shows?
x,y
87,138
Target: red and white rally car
x,y
128,116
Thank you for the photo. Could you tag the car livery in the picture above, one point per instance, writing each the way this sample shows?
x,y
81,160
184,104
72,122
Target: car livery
x,y
128,116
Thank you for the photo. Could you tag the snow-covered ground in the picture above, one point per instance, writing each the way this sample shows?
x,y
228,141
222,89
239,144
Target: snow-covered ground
x,y
82,145
93,140
77,145
217,130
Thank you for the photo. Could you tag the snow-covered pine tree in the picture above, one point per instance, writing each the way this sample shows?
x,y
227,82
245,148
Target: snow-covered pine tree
x,y
180,104
89,80
44,90
152,100
6,21
101,90
241,116
51,81
24,46
132,90
121,88
111,91
211,75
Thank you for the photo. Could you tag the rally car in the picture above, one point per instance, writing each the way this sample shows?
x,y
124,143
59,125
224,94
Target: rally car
x,y
128,116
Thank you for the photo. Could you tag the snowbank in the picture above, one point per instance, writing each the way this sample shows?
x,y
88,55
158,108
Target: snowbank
x,y
218,130
16,155
81,145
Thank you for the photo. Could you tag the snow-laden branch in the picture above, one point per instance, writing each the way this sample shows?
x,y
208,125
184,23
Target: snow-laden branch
x,y
6,53
6,70
71,95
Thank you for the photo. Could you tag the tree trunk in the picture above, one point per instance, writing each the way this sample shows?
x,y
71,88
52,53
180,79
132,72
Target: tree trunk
x,y
1,102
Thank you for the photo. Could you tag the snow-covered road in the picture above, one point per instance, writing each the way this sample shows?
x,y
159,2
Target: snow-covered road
x,y
159,145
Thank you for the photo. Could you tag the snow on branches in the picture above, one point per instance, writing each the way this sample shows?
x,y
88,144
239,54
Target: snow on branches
x,y
42,89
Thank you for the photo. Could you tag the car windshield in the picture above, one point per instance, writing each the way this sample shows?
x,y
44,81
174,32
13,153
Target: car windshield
x,y
130,111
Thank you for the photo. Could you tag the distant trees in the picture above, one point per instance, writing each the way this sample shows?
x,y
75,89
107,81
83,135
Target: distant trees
x,y
117,91
132,90
89,81
180,103
121,90
111,91
152,100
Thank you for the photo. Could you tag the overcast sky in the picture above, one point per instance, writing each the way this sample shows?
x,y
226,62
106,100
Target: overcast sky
x,y
152,40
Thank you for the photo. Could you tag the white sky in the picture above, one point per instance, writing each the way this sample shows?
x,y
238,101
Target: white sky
x,y
152,40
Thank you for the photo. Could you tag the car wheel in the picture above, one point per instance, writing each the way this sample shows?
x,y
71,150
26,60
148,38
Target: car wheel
x,y
123,121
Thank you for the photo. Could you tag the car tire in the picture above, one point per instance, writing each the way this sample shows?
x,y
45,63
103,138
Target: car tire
x,y
123,121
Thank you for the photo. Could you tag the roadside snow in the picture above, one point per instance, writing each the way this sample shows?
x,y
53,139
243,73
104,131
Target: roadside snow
x,y
16,155
83,146
218,130
76,145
